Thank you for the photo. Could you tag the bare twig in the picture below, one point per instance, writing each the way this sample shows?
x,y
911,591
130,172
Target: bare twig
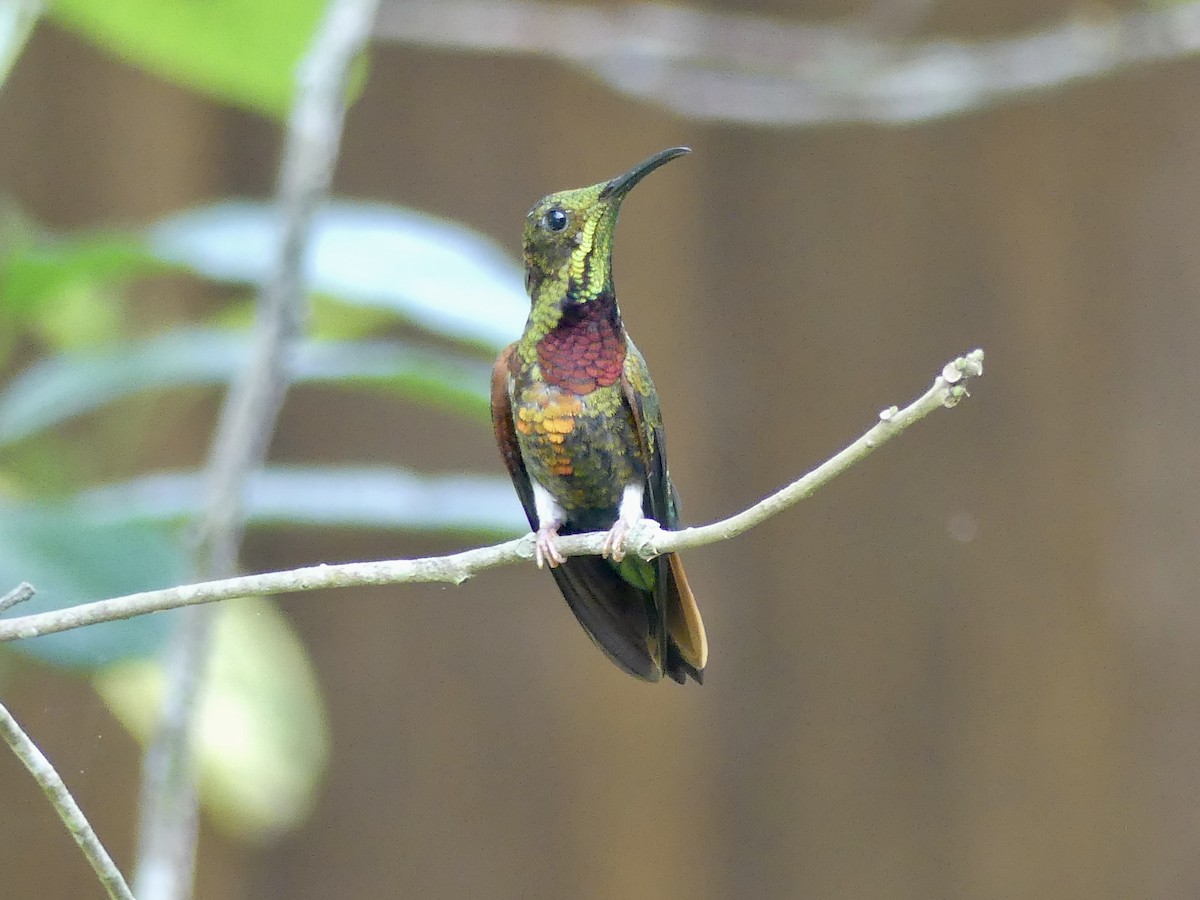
x,y
22,592
167,833
739,68
66,807
948,388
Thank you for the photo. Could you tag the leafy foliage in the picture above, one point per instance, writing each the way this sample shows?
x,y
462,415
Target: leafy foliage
x,y
63,386
437,275
96,375
424,265
243,53
72,558
326,497
375,268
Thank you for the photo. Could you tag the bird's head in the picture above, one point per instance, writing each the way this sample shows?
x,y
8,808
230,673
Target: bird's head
x,y
569,236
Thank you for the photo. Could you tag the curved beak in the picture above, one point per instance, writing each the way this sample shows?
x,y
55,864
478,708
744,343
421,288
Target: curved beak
x,y
622,184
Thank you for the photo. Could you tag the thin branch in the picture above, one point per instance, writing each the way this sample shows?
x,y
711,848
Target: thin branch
x,y
947,390
169,813
66,807
22,592
739,68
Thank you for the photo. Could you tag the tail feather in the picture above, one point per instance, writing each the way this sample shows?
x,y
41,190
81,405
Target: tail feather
x,y
685,629
626,621
614,613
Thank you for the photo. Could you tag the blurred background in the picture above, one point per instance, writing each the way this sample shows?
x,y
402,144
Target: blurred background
x,y
967,668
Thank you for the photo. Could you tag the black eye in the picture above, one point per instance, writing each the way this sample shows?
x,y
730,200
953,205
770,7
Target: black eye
x,y
554,220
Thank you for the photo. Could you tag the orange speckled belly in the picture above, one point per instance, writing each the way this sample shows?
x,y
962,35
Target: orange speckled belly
x,y
581,448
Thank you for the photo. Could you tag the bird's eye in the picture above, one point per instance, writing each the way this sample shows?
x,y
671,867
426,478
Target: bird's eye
x,y
554,220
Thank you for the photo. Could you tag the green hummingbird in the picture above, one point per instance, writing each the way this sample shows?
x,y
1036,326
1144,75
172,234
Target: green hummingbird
x,y
578,424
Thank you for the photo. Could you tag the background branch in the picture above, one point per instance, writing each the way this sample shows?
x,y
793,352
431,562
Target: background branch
x,y
169,810
22,592
948,388
739,68
64,804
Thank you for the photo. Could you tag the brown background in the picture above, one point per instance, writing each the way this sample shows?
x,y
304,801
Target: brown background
x,y
968,668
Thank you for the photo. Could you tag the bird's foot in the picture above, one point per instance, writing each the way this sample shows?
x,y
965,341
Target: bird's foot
x,y
614,542
546,547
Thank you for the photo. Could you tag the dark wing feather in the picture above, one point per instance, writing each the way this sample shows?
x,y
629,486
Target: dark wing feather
x,y
687,645
611,610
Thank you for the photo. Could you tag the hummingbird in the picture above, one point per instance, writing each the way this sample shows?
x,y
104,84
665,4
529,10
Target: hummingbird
x,y
579,427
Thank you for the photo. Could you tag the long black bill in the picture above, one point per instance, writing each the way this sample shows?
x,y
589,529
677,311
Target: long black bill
x,y
623,183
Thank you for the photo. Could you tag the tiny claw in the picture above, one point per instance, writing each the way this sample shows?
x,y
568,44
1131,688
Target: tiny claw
x,y
614,541
546,548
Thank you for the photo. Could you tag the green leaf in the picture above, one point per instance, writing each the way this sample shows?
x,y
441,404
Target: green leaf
x,y
241,51
262,731
326,497
332,320
68,385
72,558
40,269
66,288
436,274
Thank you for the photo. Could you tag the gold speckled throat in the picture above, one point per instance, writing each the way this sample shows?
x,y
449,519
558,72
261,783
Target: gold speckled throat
x,y
568,244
